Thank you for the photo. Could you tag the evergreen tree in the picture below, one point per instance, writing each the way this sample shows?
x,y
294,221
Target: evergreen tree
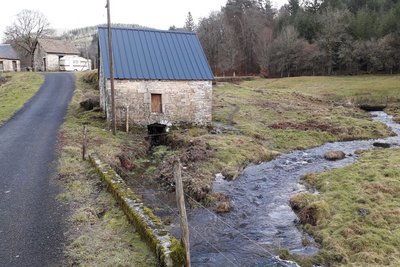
x,y
189,24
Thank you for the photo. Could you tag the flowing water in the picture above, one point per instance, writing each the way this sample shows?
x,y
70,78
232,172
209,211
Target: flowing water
x,y
261,220
261,212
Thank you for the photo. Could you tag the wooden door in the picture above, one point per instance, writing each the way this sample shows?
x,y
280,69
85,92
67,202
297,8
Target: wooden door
x,y
156,104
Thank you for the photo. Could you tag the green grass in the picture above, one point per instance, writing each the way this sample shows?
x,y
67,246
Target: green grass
x,y
281,115
270,117
343,89
99,233
19,88
362,227
297,118
336,87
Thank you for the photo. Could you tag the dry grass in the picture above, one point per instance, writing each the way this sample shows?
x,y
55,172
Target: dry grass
x,y
99,233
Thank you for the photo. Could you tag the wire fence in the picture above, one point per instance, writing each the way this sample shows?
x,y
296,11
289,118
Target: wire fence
x,y
161,204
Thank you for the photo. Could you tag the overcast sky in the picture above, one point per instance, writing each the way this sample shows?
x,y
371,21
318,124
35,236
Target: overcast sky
x,y
71,14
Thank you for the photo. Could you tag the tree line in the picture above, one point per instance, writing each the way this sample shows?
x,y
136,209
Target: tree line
x,y
312,37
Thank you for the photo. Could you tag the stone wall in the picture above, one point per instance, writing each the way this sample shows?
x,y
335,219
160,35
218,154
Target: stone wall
x,y
168,249
38,59
182,101
8,65
52,60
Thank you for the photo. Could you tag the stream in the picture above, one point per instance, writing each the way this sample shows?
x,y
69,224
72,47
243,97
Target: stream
x,y
261,212
261,220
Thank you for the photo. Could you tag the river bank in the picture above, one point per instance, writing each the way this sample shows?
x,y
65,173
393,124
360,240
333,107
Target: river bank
x,y
253,122
261,224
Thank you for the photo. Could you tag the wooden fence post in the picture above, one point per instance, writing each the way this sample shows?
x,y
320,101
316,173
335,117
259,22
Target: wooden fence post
x,y
84,141
180,199
127,119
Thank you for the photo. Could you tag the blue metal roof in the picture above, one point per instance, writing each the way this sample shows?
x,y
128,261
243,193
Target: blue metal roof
x,y
154,55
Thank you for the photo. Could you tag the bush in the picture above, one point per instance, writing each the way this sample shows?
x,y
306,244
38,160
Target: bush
x,y
2,80
92,78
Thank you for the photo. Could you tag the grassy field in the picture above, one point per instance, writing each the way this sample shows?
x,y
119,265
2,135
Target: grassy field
x,y
357,214
257,120
343,89
264,117
16,91
99,233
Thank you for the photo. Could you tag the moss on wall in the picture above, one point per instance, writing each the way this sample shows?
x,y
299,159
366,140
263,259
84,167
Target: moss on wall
x,y
167,248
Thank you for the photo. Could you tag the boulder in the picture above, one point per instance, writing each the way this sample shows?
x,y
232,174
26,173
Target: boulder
x,y
223,207
334,155
90,103
382,145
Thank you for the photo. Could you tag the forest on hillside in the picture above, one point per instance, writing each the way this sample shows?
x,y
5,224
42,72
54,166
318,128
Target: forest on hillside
x,y
310,37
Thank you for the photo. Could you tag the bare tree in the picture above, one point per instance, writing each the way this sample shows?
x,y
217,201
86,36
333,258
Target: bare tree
x,y
263,49
24,33
332,32
211,35
286,49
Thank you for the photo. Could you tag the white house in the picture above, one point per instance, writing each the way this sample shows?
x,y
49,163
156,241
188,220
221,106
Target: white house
x,y
9,60
49,52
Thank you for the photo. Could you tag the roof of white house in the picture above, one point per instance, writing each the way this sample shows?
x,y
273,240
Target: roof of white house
x,y
144,54
7,52
58,47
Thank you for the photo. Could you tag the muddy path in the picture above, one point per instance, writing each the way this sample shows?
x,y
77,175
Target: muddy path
x,y
261,220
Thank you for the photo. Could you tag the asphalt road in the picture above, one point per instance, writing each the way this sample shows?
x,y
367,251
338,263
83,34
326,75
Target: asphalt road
x,y
31,220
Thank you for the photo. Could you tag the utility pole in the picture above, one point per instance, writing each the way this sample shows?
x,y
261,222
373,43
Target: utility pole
x,y
110,55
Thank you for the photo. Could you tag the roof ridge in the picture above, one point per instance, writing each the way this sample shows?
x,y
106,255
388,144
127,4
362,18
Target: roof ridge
x,y
147,30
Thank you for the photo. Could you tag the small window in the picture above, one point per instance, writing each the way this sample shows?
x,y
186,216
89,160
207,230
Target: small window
x,y
156,104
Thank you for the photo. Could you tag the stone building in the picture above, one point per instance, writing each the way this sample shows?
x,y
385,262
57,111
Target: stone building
x,y
9,60
49,52
161,77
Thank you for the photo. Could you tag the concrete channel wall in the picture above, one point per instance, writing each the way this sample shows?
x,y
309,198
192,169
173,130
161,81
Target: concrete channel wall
x,y
167,248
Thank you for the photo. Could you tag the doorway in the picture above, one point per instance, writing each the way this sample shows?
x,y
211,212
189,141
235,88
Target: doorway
x,y
44,64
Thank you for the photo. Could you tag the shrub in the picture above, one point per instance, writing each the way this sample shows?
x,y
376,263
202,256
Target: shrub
x,y
92,78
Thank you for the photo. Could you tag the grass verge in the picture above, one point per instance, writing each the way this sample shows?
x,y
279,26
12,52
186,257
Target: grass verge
x,y
18,88
357,215
99,233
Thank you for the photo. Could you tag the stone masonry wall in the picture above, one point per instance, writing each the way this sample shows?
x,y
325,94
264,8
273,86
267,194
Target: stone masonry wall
x,y
53,62
8,65
182,101
38,59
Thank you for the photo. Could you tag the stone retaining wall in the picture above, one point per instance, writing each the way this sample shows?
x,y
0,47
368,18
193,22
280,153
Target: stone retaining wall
x,y
167,248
